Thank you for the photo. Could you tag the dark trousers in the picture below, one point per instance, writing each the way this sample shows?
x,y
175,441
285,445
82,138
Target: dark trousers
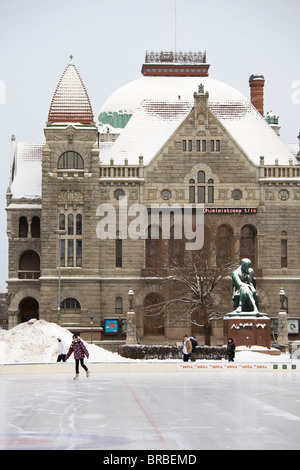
x,y
186,357
81,363
61,357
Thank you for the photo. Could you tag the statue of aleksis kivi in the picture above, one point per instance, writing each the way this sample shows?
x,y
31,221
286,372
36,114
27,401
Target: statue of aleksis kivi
x,y
245,298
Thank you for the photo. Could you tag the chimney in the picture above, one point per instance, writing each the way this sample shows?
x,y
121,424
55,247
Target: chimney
x,y
256,83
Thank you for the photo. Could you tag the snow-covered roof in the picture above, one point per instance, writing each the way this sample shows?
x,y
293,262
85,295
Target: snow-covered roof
x,y
70,103
235,112
146,132
26,171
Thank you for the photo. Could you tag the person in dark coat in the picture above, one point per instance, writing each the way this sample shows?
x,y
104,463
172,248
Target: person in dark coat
x,y
231,349
78,348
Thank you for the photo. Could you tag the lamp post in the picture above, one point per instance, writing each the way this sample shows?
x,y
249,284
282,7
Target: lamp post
x,y
59,233
282,337
92,318
131,327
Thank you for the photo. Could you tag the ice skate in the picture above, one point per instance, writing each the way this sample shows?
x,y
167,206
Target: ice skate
x,y
87,373
76,377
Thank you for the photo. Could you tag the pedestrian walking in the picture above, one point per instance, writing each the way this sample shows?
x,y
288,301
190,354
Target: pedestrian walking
x,y
78,348
62,350
187,348
231,349
194,344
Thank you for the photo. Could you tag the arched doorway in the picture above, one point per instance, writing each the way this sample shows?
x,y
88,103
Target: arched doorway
x,y
153,316
29,308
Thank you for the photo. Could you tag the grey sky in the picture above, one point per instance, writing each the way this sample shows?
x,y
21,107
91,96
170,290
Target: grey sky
x,y
108,40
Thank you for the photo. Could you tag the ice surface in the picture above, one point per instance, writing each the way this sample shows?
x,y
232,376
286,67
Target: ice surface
x,y
171,411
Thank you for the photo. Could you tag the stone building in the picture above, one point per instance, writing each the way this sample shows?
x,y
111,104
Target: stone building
x,y
173,136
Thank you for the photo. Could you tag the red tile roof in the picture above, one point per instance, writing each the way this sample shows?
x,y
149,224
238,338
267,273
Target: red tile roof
x,y
70,103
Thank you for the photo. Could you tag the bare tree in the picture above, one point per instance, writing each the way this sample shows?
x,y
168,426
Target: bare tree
x,y
197,288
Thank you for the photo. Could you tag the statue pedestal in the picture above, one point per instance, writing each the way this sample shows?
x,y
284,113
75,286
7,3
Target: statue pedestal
x,y
248,329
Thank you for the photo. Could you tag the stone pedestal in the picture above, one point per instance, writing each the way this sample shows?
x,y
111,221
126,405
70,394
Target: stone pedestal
x,y
282,337
131,337
247,329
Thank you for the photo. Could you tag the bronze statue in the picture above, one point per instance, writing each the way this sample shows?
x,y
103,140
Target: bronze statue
x,y
245,298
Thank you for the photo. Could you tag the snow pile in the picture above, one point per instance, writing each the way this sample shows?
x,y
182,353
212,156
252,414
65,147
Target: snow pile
x,y
36,342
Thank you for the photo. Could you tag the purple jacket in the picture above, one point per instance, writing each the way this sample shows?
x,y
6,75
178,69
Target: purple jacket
x,y
79,350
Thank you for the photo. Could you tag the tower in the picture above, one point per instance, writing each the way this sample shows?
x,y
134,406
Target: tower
x,y
70,172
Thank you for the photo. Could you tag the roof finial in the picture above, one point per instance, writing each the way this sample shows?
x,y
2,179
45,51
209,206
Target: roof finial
x,y
71,59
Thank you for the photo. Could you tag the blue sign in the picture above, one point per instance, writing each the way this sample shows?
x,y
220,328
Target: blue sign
x,y
111,326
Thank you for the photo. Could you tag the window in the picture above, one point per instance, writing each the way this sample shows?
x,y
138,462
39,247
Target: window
x,y
35,227
70,305
215,145
184,145
29,265
154,247
190,145
205,190
118,306
119,248
71,242
284,249
23,227
70,160
224,244
248,243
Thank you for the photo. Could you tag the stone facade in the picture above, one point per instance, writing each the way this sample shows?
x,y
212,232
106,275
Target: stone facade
x,y
97,274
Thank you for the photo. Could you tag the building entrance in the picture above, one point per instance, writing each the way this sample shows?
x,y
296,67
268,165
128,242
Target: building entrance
x,y
29,308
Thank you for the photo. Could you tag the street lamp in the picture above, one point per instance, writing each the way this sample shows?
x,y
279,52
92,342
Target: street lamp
x,y
59,233
130,326
283,300
130,298
92,318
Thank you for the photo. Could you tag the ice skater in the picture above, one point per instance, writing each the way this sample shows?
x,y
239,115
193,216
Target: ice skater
x,y
62,350
231,349
78,348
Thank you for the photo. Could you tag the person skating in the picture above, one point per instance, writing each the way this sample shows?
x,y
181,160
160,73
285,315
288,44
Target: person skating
x,y
78,348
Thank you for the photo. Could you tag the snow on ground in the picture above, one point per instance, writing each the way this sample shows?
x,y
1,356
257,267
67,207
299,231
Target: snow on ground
x,y
36,342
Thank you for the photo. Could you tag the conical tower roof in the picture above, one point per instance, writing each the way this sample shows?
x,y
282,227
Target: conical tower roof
x,y
70,103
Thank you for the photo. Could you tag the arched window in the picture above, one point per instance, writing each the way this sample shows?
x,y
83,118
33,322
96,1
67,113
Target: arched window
x,y
70,305
224,244
248,243
35,227
70,161
205,189
23,227
118,306
176,247
29,265
153,247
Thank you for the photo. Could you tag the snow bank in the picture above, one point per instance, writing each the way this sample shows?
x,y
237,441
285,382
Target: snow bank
x,y
36,342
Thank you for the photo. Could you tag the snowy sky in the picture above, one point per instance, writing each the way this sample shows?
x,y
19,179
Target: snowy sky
x,y
108,40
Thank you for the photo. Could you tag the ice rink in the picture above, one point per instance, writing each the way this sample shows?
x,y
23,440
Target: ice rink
x,y
165,410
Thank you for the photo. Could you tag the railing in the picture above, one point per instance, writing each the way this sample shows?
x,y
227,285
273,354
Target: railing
x,y
281,172
29,274
119,171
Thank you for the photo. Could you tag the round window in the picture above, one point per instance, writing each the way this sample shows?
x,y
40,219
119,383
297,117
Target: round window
x,y
119,193
166,194
237,194
284,194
